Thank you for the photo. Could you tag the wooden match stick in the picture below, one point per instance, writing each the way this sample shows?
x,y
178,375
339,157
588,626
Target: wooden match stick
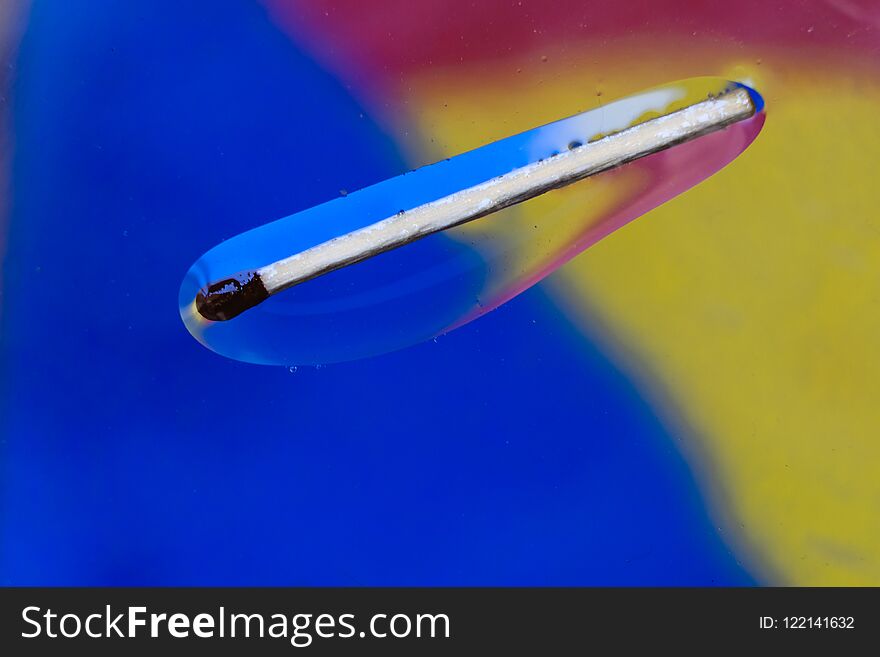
x,y
230,297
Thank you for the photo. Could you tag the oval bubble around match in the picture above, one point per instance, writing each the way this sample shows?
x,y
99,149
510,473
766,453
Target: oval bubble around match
x,y
445,280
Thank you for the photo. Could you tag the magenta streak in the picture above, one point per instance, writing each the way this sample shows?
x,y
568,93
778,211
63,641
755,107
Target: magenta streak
x,y
669,173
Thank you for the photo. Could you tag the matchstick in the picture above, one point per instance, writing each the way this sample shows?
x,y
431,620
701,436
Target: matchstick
x,y
230,297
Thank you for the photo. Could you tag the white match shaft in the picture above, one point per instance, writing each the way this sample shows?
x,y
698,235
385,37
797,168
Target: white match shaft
x,y
501,192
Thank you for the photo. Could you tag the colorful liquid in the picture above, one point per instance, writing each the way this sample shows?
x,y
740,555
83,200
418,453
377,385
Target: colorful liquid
x,y
443,281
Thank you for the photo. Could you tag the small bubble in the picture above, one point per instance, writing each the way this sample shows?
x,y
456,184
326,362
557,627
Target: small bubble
x,y
543,58
343,192
292,369
125,233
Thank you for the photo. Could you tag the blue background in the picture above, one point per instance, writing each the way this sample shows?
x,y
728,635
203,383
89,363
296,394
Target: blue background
x,y
514,452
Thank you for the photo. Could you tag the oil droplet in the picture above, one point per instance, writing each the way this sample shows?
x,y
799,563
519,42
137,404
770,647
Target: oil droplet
x,y
436,284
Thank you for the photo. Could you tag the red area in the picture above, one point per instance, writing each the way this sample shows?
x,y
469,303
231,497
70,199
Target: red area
x,y
386,39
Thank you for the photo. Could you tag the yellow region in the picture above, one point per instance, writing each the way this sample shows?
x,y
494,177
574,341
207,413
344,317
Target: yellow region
x,y
747,309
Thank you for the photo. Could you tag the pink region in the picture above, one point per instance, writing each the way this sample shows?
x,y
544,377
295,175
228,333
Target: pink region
x,y
667,174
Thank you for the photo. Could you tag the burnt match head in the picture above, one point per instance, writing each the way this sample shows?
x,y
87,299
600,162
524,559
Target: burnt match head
x,y
230,297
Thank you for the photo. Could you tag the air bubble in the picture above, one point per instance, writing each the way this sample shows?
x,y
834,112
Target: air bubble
x,y
443,281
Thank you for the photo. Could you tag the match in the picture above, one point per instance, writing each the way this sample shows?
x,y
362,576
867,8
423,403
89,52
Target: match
x,y
228,298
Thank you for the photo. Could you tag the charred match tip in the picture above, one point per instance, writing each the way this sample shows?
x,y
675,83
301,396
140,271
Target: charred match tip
x,y
230,297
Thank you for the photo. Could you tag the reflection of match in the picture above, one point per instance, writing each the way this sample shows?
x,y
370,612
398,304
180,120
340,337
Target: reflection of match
x,y
225,299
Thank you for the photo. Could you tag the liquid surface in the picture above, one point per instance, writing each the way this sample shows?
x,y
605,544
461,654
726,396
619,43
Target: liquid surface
x,y
690,402
438,283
